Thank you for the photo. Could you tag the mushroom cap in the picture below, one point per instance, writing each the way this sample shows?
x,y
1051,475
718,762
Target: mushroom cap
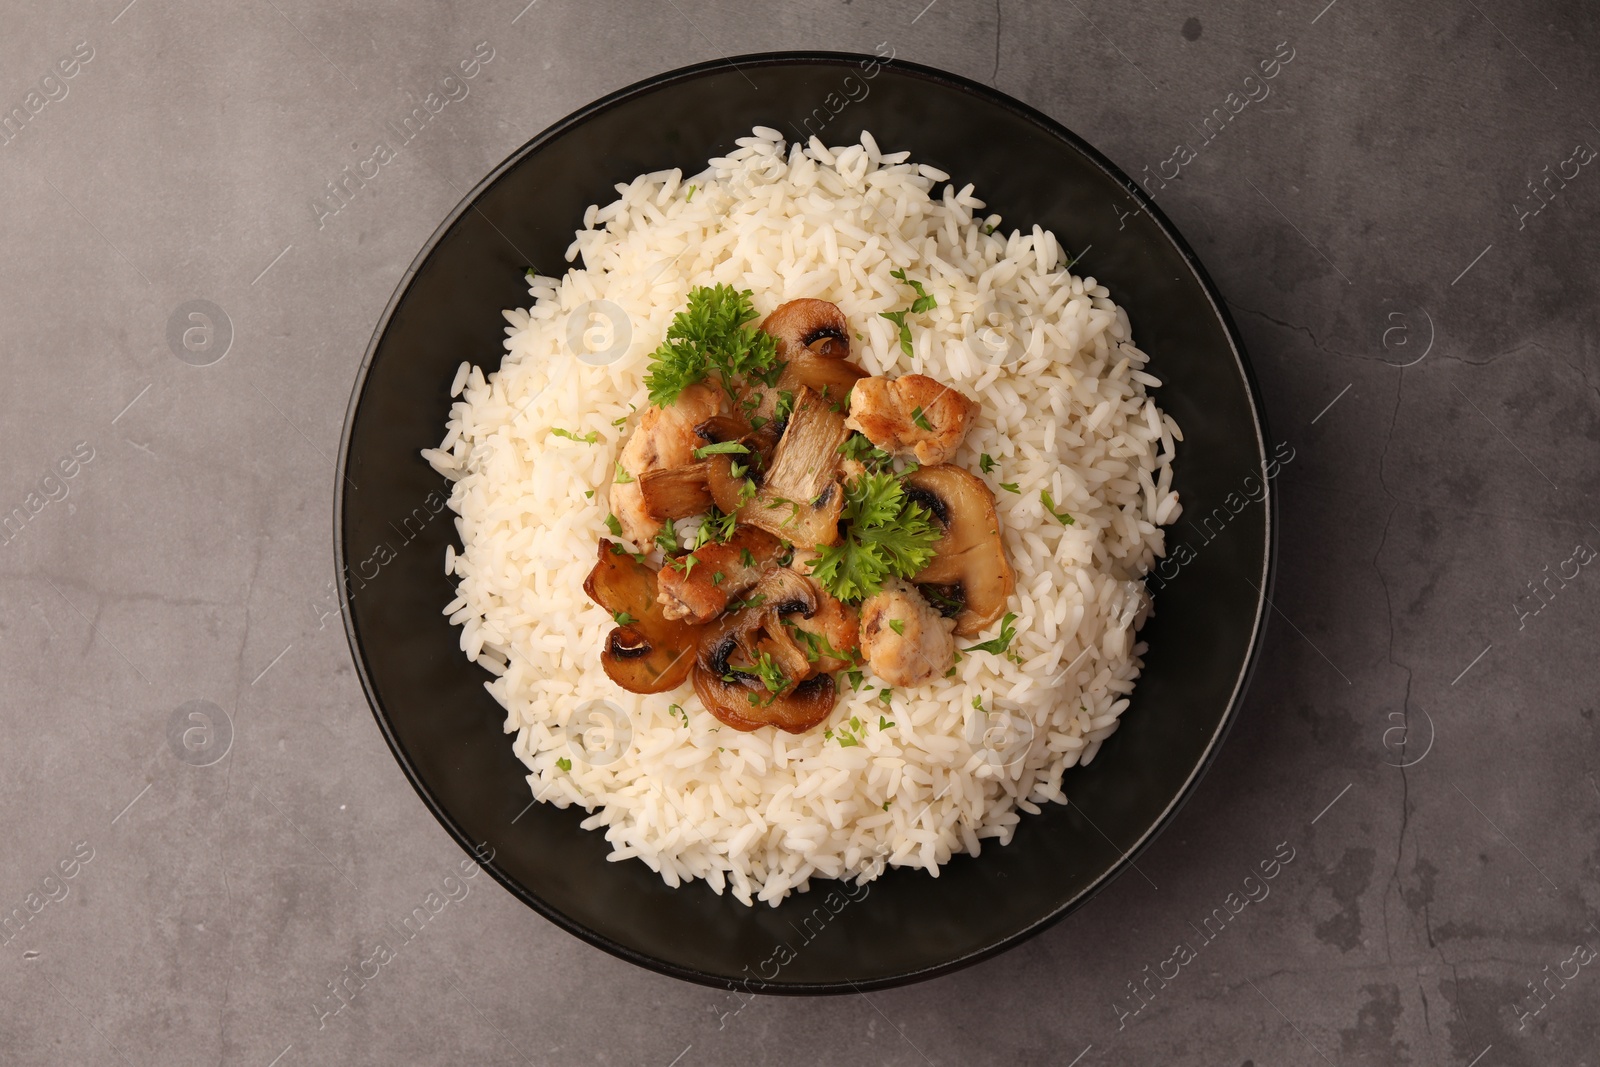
x,y
651,653
971,555
740,698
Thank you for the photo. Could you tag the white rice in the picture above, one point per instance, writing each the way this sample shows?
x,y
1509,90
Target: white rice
x,y
1064,409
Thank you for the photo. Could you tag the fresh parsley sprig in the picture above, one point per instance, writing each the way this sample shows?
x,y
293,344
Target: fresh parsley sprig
x,y
886,534
711,334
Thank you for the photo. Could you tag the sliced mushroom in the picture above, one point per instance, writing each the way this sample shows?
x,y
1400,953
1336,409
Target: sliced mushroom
x,y
912,413
721,572
905,639
814,344
725,674
809,324
969,572
801,499
677,492
646,653
728,490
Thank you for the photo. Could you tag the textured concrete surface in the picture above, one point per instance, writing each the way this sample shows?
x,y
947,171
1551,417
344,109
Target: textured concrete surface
x,y
1424,323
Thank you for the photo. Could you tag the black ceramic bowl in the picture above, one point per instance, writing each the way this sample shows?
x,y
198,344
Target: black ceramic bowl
x,y
446,731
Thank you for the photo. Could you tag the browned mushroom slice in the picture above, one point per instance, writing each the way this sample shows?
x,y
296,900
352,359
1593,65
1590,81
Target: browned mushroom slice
x,y
678,492
750,672
800,498
647,652
728,490
721,572
809,324
814,344
803,707
969,578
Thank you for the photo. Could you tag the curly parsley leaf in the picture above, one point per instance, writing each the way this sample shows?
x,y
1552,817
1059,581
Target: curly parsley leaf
x,y
711,334
886,534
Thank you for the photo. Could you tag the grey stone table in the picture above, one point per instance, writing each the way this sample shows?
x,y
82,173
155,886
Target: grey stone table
x,y
1405,229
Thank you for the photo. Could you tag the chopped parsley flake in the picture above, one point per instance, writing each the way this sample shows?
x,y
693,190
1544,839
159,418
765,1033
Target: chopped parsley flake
x,y
667,539
720,448
622,618
1050,506
690,197
614,525
897,626
622,477
921,420
883,723
998,645
1010,487
986,463
564,763
583,439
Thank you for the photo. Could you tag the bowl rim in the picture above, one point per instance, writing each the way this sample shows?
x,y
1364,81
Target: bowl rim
x,y
993,97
